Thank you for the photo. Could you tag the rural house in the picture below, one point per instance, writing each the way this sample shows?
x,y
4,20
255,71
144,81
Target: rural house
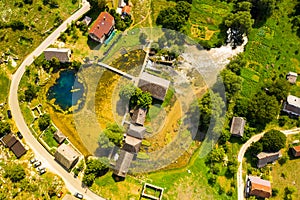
x,y
296,151
102,28
59,136
66,156
11,142
265,158
8,140
237,126
292,77
123,163
156,86
136,131
62,54
292,105
139,116
259,187
132,144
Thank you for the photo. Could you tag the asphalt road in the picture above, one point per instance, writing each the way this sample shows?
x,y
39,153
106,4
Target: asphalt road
x,y
73,184
242,152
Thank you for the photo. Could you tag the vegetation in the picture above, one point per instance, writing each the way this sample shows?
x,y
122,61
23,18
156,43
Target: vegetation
x,y
4,128
273,141
14,172
112,135
44,121
95,168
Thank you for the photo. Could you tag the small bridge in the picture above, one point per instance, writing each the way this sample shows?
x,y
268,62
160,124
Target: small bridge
x,y
119,72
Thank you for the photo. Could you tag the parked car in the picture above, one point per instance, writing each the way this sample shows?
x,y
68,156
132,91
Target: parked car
x,y
36,164
9,114
19,135
41,168
33,160
42,171
78,195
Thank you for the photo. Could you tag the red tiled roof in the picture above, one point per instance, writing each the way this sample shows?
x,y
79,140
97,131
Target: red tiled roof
x,y
260,190
296,151
126,9
102,25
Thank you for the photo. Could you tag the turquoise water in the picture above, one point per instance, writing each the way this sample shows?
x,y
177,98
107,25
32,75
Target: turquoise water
x,y
67,90
110,37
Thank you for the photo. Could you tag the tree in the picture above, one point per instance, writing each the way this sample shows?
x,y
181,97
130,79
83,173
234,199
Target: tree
x,y
184,9
127,91
14,172
232,83
114,133
280,88
141,99
255,148
88,179
273,141
44,121
243,6
95,168
262,9
170,18
4,128
30,93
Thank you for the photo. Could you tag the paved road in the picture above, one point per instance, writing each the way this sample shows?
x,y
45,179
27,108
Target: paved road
x,y
242,152
74,185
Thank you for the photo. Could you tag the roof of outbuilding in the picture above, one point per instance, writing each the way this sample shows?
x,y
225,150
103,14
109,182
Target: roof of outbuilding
x,y
136,131
293,100
18,149
123,163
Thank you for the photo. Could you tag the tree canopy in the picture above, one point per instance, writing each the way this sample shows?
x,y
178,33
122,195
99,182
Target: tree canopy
x,y
95,168
4,128
44,121
273,141
14,172
112,135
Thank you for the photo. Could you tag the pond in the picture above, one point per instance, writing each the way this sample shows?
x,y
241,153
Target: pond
x,y
66,91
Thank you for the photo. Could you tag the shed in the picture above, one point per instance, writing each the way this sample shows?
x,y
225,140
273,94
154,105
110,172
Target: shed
x,y
292,105
136,131
296,151
66,155
87,20
237,126
62,54
292,77
156,86
59,136
260,187
9,140
132,144
18,149
139,116
265,158
123,163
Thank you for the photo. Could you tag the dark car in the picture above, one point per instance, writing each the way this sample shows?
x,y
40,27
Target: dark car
x,y
36,164
9,114
42,171
19,135
78,195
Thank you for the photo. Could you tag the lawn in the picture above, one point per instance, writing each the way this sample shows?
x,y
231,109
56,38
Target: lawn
x,y
4,86
48,137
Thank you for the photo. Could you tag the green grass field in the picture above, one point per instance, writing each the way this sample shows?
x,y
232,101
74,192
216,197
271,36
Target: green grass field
x,y
4,86
48,137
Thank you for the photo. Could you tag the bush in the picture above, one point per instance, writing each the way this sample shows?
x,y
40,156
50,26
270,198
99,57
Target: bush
x,y
14,172
44,121
4,128
273,141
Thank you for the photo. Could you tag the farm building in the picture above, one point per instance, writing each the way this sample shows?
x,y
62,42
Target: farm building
x,y
123,163
292,77
132,144
63,54
259,187
296,151
265,158
237,126
136,131
139,116
66,156
292,105
59,136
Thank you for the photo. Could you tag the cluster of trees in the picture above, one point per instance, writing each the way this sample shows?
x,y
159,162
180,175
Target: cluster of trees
x,y
14,24
135,96
95,168
111,136
44,121
175,17
51,3
4,128
121,23
296,19
14,172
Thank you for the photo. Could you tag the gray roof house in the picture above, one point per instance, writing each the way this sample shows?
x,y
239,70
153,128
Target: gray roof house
x,y
59,136
156,86
265,158
237,126
123,163
292,105
292,77
139,116
132,144
62,54
66,156
136,131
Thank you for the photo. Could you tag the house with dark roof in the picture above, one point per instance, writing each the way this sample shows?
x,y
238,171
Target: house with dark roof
x,y
259,187
292,77
9,140
62,54
296,151
59,136
132,144
292,105
66,155
237,126
265,158
136,131
139,116
156,86
123,163
102,28
18,149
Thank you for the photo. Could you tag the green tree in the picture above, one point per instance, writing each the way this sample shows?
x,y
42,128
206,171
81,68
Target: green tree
x,y
88,179
44,121
95,168
273,141
127,91
30,93
14,172
114,133
4,128
184,9
280,88
232,83
243,6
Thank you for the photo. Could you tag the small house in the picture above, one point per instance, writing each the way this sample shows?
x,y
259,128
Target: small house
x,y
59,136
237,126
156,86
136,131
292,77
9,140
18,149
126,10
66,155
62,54
132,144
265,158
259,187
86,20
296,151
102,28
139,116
292,105
123,163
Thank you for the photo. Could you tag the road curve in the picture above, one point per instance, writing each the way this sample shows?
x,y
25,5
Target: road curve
x,y
73,184
255,138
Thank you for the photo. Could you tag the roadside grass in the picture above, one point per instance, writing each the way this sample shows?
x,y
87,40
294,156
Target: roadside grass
x,y
48,137
4,86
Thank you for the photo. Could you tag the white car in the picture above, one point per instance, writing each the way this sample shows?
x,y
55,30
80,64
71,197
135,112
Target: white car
x,y
33,160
